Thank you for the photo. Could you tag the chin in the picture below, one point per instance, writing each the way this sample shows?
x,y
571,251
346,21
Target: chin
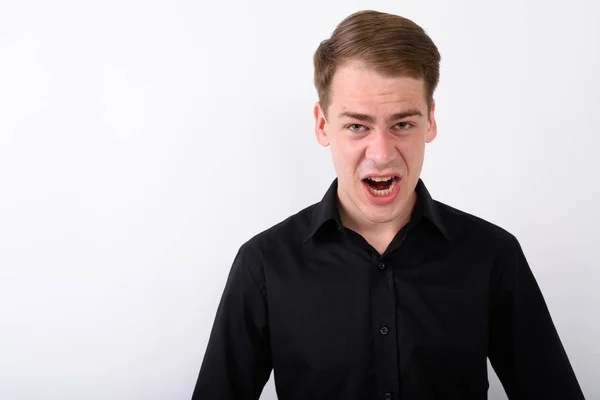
x,y
381,216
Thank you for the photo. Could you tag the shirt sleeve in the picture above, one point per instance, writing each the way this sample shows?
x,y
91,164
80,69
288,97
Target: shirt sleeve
x,y
237,362
524,347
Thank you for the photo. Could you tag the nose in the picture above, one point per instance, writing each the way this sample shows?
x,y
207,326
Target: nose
x,y
381,148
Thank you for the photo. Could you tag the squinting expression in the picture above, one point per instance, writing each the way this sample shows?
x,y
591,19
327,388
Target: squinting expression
x,y
377,127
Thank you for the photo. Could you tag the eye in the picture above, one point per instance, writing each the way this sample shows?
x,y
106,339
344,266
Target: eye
x,y
404,126
355,127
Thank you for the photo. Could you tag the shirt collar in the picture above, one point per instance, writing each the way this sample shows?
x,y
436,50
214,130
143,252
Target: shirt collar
x,y
326,211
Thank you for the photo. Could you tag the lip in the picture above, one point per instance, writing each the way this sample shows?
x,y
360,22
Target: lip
x,y
382,200
381,175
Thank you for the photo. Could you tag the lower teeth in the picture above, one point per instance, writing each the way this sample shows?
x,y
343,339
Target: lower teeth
x,y
385,192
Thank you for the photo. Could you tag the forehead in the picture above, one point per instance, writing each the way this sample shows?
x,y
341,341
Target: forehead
x,y
355,85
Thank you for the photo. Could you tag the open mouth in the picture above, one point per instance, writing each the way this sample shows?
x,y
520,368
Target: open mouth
x,y
381,186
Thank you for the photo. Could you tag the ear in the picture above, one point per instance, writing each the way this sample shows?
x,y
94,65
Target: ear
x,y
320,125
431,125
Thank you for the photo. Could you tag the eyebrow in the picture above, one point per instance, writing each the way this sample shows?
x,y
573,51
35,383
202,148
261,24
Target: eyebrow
x,y
367,118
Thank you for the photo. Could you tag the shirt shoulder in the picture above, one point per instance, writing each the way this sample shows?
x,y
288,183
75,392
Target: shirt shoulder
x,y
465,227
285,234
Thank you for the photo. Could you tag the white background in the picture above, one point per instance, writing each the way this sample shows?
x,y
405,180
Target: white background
x,y
141,143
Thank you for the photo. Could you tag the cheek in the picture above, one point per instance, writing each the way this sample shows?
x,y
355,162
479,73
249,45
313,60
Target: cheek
x,y
413,150
346,157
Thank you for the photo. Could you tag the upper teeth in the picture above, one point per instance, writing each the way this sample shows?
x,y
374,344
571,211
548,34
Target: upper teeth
x,y
381,178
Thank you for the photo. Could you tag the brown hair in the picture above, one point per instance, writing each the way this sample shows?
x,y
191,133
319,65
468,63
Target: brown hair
x,y
391,44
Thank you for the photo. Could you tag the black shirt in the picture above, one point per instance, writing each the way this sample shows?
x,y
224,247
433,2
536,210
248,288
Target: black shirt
x,y
334,319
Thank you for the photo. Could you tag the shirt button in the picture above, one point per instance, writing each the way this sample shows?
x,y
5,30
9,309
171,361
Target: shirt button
x,y
384,331
382,265
387,396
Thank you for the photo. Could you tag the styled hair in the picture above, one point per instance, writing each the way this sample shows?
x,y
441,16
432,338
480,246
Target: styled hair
x,y
390,44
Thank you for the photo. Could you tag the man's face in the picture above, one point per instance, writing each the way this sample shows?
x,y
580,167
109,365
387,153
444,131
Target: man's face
x,y
377,127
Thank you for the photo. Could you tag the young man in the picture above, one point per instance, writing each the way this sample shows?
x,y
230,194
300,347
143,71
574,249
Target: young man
x,y
378,291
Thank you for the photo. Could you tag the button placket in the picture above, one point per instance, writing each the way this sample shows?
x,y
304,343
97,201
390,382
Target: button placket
x,y
384,312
